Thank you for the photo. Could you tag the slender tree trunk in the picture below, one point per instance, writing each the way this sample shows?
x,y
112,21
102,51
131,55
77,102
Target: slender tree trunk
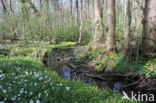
x,y
34,8
77,16
111,25
71,6
10,6
5,11
81,22
99,34
128,16
77,11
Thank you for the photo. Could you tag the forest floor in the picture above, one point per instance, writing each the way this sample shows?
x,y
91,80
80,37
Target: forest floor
x,y
25,78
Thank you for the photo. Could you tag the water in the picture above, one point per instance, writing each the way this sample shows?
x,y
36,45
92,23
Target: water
x,y
67,73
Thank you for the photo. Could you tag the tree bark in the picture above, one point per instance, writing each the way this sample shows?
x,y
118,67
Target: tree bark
x,y
81,22
99,33
128,17
111,25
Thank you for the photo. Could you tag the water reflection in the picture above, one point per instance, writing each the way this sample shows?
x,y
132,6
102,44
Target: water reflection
x,y
67,73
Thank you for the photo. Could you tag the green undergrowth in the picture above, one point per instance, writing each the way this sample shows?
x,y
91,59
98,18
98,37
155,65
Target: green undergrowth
x,y
120,63
146,66
24,79
33,49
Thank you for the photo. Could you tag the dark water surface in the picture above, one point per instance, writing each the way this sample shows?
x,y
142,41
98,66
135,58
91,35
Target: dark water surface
x,y
67,73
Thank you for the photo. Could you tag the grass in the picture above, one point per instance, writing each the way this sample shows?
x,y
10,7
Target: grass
x,y
24,79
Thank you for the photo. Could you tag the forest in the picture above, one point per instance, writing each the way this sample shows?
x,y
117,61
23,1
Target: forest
x,y
77,51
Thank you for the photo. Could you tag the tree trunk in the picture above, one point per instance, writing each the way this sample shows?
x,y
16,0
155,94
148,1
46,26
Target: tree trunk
x,y
128,16
71,6
99,33
149,29
34,8
4,7
111,24
77,11
81,22
10,6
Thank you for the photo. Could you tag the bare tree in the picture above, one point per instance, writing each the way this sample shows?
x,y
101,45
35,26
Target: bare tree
x,y
111,24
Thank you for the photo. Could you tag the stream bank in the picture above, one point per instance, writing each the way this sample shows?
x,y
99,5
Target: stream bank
x,y
64,61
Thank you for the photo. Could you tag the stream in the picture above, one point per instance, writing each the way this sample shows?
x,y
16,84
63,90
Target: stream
x,y
66,73
115,82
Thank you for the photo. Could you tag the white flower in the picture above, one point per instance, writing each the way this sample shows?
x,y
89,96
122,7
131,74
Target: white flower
x,y
31,73
46,77
0,71
31,93
21,92
67,88
40,78
38,101
4,91
9,88
1,86
26,73
1,75
59,84
35,84
25,80
36,75
13,98
31,101
46,93
39,95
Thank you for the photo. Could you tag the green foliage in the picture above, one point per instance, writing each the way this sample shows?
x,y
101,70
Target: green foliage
x,y
43,28
98,64
90,55
149,69
27,49
121,64
24,79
